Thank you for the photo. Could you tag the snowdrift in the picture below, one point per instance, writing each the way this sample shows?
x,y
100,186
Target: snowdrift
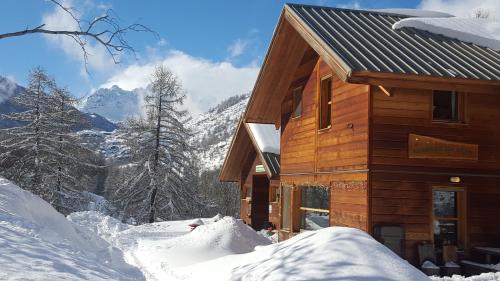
x,y
334,253
104,226
162,256
38,243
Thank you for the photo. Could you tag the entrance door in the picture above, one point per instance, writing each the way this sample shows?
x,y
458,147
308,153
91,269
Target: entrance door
x,y
260,201
449,217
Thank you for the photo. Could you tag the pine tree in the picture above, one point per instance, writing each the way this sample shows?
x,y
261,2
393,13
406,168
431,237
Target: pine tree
x,y
157,183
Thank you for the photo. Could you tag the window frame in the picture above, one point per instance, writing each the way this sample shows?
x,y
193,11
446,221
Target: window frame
x,y
460,108
309,209
461,215
299,89
288,214
328,106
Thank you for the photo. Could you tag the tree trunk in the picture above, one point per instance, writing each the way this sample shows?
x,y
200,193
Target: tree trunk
x,y
152,212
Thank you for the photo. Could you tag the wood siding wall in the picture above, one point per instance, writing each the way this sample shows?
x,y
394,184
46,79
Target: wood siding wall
x,y
401,188
246,185
335,157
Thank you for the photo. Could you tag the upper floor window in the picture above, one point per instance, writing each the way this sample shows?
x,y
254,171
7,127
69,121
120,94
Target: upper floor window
x,y
325,103
297,101
445,106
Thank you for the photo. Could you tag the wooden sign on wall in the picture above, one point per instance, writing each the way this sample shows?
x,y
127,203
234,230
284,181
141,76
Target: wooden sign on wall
x,y
434,148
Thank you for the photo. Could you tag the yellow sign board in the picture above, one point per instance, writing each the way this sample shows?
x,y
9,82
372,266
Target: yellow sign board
x,y
434,148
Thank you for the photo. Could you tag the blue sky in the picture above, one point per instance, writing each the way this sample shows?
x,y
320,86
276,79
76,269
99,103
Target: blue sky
x,y
196,37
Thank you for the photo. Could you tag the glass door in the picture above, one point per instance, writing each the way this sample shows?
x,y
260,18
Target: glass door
x,y
449,217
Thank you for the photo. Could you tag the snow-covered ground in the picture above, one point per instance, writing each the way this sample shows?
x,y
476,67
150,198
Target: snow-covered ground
x,y
38,243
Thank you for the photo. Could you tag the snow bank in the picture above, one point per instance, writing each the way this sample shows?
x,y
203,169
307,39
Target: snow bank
x,y
104,226
266,136
482,32
334,253
491,276
415,13
38,243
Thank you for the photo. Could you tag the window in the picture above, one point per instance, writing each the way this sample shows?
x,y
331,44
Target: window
x,y
297,101
325,107
274,194
445,106
314,207
285,207
449,208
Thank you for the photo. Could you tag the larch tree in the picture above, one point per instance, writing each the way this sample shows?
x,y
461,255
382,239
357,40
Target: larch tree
x,y
161,167
43,156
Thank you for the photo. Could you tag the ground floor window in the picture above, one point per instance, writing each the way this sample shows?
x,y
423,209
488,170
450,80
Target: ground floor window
x,y
314,207
449,217
286,200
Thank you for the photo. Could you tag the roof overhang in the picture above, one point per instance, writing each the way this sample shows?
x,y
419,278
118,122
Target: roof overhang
x,y
243,146
292,38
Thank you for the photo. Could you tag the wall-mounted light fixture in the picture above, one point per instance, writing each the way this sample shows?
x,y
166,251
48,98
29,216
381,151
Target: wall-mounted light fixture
x,y
455,179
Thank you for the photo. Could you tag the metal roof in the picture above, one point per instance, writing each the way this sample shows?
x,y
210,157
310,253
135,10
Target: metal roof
x,y
365,41
273,162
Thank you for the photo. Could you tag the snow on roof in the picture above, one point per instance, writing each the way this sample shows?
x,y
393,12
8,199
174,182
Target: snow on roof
x,y
415,13
482,32
266,136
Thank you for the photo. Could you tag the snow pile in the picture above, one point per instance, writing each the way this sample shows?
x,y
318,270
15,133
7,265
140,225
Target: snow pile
x,y
429,264
334,253
209,241
104,226
415,13
482,32
271,235
38,243
491,276
266,136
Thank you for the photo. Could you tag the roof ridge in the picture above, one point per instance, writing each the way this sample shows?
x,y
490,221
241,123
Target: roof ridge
x,y
372,11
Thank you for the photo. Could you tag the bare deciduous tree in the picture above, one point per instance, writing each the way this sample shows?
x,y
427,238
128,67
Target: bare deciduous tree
x,y
104,29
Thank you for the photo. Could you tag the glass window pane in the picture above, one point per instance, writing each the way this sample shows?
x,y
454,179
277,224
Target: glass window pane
x,y
445,232
314,220
285,211
325,102
315,197
297,102
445,105
445,204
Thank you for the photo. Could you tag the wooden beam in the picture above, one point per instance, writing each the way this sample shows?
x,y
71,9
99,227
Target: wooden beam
x,y
398,80
384,90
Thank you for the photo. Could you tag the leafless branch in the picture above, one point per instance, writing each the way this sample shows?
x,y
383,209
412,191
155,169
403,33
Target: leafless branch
x,y
105,30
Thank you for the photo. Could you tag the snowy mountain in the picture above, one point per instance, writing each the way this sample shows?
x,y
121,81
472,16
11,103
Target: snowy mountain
x,y
212,134
113,103
213,130
9,89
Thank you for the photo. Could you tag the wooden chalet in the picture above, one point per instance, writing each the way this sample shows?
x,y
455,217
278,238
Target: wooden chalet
x,y
395,132
256,167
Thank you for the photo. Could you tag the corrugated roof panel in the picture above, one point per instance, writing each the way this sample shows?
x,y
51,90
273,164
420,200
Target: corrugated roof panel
x,y
366,41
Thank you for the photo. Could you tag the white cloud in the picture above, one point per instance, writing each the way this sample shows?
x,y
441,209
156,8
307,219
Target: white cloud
x,y
237,48
351,5
462,8
58,19
205,81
